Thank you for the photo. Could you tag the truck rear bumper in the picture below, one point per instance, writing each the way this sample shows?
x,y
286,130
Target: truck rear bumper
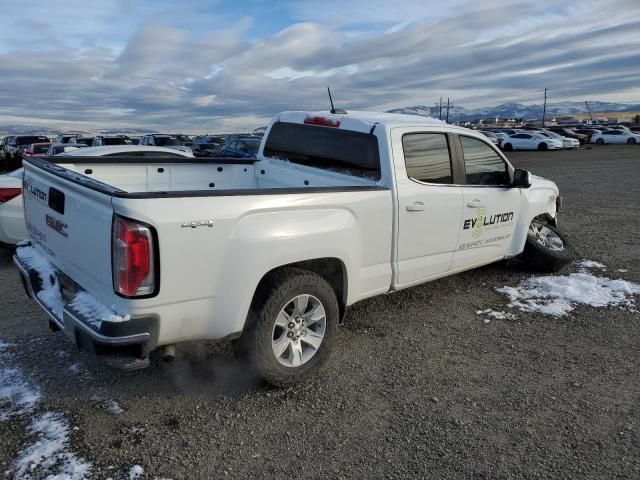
x,y
124,345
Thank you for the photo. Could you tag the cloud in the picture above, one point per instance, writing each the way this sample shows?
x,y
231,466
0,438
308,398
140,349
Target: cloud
x,y
190,68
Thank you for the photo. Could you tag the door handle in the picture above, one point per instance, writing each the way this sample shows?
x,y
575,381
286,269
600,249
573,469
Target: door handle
x,y
415,207
474,204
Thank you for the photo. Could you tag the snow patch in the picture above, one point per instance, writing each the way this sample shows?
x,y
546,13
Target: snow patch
x,y
136,472
49,452
113,407
559,295
590,264
50,293
496,314
17,395
94,311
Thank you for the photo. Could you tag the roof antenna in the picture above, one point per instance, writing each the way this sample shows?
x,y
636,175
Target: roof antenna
x,y
333,109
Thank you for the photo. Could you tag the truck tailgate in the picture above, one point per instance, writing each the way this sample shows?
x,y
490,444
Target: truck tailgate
x,y
71,226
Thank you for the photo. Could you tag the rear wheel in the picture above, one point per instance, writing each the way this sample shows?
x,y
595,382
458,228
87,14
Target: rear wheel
x,y
631,141
546,249
293,324
508,147
600,141
543,146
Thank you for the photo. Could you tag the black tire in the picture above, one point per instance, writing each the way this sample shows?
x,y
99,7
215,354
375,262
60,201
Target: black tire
x,y
539,258
600,141
543,147
507,147
631,141
273,295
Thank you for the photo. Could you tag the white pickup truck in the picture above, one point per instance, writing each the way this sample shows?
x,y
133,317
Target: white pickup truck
x,y
146,253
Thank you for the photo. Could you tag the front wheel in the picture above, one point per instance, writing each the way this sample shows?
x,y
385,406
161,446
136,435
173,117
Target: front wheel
x,y
507,147
600,141
546,249
543,147
292,326
631,141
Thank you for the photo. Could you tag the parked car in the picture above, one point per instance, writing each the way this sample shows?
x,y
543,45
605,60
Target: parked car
x,y
570,133
567,142
492,136
530,141
163,140
615,136
241,147
88,141
16,146
58,148
271,251
207,145
108,140
37,150
3,148
12,226
183,139
67,137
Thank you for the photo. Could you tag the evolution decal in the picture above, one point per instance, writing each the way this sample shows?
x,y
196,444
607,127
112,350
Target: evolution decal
x,y
481,221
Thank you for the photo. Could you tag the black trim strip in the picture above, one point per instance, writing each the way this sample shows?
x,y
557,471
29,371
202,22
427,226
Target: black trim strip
x,y
116,192
106,159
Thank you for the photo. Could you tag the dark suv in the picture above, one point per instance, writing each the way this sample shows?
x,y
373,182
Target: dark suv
x,y
15,147
207,145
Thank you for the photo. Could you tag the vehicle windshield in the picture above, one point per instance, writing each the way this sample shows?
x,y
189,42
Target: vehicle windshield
x,y
252,145
85,141
115,141
163,141
212,141
40,149
30,140
553,134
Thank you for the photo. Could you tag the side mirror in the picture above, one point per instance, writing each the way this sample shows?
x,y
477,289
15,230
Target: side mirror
x,y
521,178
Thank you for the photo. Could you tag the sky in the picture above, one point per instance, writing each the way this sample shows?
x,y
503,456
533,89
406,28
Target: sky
x,y
218,65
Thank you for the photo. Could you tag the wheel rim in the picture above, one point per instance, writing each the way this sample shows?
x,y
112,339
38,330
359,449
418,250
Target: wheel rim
x,y
299,330
546,237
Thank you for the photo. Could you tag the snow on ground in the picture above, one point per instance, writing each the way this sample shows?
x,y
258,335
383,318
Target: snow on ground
x,y
50,452
49,455
136,472
495,314
559,295
590,264
113,407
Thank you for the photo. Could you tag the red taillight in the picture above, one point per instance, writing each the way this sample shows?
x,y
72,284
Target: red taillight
x,y
322,121
133,258
7,194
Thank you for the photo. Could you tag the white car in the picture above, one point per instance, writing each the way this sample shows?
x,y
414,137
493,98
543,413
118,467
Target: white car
x,y
567,142
12,226
270,251
530,140
615,136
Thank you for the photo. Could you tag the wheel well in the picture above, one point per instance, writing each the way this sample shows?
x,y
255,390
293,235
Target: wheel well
x,y
331,269
545,219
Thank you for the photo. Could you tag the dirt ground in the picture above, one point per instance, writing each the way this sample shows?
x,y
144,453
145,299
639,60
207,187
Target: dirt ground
x,y
419,386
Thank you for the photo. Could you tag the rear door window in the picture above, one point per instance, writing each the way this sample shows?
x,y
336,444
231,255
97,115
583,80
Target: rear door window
x,y
328,148
427,158
483,166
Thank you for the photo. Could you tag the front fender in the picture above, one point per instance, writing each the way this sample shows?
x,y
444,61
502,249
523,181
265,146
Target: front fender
x,y
539,199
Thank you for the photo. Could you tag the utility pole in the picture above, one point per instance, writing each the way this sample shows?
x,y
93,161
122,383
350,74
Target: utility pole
x,y
586,104
439,105
449,105
544,107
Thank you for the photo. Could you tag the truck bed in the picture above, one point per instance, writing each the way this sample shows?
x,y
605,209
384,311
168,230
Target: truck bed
x,y
137,177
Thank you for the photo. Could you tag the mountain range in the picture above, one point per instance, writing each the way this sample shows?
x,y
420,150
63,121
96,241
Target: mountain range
x,y
518,110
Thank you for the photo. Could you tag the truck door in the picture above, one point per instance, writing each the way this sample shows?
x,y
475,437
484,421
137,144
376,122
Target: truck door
x,y
429,204
490,205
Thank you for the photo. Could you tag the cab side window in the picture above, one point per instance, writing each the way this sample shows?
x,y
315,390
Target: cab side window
x,y
427,157
483,166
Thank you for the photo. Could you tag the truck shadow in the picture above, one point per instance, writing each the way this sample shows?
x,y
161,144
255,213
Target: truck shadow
x,y
6,257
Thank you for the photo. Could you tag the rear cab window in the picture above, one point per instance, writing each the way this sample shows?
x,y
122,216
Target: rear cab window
x,y
343,151
427,158
483,166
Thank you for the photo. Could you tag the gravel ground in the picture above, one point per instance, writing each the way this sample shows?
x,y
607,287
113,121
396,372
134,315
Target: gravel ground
x,y
419,386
